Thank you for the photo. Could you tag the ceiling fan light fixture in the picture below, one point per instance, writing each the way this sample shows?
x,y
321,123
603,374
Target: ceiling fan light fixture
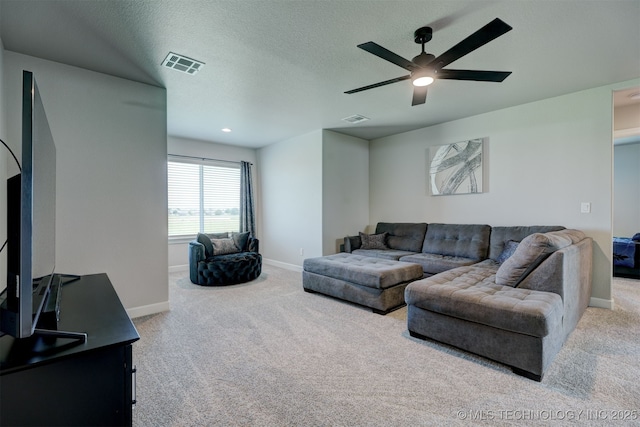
x,y
422,78
423,81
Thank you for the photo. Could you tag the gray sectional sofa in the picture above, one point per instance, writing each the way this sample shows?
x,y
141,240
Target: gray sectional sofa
x,y
511,294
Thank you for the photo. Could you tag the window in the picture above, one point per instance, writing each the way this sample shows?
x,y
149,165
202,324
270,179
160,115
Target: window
x,y
202,197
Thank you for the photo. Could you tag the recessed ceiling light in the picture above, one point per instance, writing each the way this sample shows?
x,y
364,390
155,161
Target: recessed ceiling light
x,y
226,130
182,63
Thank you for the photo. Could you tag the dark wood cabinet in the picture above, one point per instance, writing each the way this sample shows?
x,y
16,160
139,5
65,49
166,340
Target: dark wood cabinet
x,y
62,382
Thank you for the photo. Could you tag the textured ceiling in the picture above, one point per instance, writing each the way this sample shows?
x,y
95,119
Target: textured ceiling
x,y
277,69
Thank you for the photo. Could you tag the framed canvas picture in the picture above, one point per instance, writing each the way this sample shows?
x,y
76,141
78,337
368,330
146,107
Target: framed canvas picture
x,y
456,168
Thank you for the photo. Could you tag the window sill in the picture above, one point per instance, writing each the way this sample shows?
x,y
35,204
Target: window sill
x,y
181,240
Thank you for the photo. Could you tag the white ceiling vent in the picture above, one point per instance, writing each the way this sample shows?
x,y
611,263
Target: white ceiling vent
x,y
182,63
356,118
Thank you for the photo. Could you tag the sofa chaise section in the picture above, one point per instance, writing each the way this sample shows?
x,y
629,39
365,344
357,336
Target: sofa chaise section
x,y
516,314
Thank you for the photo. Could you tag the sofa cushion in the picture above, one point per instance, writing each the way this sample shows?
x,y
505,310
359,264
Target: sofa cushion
x,y
458,240
366,271
531,252
403,236
470,293
382,253
436,263
501,235
224,246
373,241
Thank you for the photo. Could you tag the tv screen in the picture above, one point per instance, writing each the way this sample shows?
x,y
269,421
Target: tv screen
x,y
38,178
31,219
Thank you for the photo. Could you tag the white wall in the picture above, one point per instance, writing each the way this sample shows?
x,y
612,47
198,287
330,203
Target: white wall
x,y
291,192
345,188
178,250
111,142
543,160
626,208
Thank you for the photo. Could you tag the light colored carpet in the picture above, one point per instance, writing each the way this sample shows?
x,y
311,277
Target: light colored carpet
x,y
267,353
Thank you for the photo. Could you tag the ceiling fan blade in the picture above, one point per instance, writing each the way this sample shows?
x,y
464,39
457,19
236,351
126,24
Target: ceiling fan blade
x,y
386,82
484,35
387,55
419,95
475,75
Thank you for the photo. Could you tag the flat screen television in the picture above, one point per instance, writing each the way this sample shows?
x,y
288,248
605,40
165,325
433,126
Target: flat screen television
x,y
31,219
33,288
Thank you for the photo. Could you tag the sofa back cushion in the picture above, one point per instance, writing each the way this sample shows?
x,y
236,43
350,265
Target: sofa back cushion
x,y
501,235
459,240
531,252
403,236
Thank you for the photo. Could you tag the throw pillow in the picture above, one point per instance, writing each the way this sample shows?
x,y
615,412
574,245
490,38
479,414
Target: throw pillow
x,y
241,240
374,241
206,242
509,249
224,246
219,235
531,252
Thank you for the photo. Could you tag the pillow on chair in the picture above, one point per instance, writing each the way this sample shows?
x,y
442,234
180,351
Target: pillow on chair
x,y
224,246
241,240
218,235
208,246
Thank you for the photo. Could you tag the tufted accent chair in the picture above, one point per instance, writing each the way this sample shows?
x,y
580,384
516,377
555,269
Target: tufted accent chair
x,y
228,269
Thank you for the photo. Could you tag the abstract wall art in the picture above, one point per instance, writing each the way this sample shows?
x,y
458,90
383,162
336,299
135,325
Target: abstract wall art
x,y
456,168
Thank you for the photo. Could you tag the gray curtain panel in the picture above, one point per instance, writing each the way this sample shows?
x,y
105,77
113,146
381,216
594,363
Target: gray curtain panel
x,y
247,216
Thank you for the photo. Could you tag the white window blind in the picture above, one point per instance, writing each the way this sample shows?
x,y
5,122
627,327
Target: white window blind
x,y
202,197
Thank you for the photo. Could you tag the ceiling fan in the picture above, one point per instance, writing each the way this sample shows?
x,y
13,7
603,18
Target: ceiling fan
x,y
425,68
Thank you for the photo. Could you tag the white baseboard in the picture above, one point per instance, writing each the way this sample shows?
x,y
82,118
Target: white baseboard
x,y
145,310
601,303
178,268
284,265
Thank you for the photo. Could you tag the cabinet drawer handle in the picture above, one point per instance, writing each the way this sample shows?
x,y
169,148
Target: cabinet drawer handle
x,y
134,373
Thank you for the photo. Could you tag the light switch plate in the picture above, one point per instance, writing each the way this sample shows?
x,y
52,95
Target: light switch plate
x,y
585,207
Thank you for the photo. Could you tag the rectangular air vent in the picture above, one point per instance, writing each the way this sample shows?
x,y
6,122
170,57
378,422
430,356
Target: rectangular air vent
x,y
182,63
356,118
